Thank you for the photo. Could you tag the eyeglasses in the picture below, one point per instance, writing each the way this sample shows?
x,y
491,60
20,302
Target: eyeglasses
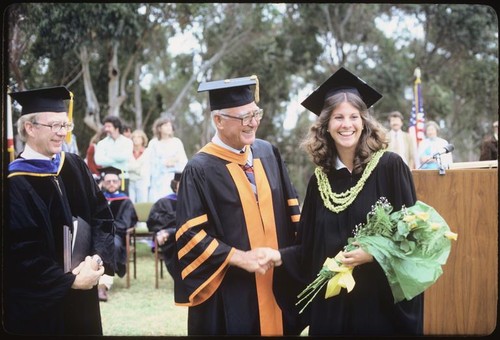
x,y
56,126
247,117
109,181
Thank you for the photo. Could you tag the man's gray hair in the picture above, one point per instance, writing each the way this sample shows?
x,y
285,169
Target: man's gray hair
x,y
21,122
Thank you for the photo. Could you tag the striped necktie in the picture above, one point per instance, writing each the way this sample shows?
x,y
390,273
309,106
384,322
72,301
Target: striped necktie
x,y
251,177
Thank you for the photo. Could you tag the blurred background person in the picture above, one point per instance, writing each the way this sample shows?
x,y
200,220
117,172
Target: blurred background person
x,y
72,146
431,145
400,141
125,217
161,221
89,155
167,156
127,129
139,166
115,149
489,145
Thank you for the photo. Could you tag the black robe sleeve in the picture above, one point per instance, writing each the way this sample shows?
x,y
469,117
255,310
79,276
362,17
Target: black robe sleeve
x,y
161,216
88,202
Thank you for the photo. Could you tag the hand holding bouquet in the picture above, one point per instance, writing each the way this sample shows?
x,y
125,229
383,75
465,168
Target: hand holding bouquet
x,y
410,245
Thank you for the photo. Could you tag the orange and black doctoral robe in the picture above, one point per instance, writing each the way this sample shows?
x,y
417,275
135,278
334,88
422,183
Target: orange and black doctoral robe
x,y
217,212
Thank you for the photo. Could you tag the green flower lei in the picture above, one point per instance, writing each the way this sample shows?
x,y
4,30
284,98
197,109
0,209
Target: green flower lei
x,y
339,202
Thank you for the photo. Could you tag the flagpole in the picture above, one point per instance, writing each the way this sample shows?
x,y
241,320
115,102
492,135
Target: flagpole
x,y
10,131
416,126
419,106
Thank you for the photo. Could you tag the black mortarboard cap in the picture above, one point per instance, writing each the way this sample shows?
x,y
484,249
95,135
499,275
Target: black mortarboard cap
x,y
341,81
110,170
50,99
231,92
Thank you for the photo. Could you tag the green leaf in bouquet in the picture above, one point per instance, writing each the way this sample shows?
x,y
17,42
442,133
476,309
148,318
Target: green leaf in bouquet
x,y
410,245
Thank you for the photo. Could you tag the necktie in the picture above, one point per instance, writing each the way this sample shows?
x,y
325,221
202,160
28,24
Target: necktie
x,y
251,177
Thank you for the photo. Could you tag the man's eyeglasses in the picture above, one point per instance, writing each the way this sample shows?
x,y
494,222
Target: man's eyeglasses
x,y
56,127
109,181
247,117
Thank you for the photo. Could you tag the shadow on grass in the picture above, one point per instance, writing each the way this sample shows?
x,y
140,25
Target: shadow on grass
x,y
142,310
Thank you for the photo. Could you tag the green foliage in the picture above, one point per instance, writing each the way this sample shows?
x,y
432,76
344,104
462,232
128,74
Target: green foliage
x,y
288,46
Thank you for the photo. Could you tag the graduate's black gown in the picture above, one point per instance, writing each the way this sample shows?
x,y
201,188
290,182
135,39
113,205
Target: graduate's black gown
x,y
369,308
37,294
162,216
217,212
125,217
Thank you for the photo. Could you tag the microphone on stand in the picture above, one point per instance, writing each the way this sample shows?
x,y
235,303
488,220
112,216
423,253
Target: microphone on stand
x,y
448,148
437,156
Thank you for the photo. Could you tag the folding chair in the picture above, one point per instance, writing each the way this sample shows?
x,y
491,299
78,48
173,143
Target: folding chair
x,y
142,210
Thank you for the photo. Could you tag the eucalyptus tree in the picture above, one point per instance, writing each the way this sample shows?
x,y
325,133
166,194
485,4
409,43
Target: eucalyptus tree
x,y
458,57
100,46
233,40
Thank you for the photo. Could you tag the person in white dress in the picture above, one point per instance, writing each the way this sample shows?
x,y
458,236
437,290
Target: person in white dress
x,y
167,156
139,168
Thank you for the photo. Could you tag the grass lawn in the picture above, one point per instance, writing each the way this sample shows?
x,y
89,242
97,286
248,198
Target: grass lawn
x,y
142,310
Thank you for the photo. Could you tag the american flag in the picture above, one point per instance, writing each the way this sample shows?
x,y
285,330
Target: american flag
x,y
417,117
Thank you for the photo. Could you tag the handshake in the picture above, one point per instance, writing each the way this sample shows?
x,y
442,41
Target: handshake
x,y
258,260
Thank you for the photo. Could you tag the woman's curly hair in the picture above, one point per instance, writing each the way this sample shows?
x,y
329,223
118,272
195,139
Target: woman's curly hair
x,y
320,145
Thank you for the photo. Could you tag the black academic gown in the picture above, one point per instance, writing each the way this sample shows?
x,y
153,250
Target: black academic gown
x,y
369,308
162,217
37,294
125,217
217,213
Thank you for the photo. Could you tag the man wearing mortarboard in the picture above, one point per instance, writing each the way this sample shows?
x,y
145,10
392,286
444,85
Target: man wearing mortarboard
x,y
50,288
125,217
236,207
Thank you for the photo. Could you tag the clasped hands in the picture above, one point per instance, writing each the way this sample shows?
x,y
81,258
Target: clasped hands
x,y
88,273
258,260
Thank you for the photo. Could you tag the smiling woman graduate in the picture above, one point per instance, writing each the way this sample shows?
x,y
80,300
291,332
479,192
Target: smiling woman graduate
x,y
353,172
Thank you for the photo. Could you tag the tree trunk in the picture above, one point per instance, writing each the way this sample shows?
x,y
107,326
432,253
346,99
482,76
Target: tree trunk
x,y
92,113
137,96
114,81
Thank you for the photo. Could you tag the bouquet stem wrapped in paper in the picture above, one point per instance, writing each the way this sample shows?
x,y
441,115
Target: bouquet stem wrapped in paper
x,y
411,246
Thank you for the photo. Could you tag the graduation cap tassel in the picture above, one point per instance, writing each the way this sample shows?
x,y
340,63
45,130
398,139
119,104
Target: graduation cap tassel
x,y
256,96
70,117
122,177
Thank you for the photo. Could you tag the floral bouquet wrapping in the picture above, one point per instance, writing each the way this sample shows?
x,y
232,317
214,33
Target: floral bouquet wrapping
x,y
410,245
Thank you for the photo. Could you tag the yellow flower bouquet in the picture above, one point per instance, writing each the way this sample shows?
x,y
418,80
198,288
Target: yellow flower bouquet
x,y
411,246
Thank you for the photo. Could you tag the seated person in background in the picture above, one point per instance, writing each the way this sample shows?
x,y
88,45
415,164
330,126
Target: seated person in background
x,y
161,220
489,145
431,145
125,217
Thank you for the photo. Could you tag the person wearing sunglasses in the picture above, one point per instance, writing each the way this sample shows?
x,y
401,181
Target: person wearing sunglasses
x,y
58,240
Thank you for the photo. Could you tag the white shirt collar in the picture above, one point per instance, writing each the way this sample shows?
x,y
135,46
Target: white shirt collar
x,y
338,164
29,153
216,140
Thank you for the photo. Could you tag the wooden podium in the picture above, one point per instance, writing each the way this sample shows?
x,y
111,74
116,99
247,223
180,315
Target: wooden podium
x,y
464,299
